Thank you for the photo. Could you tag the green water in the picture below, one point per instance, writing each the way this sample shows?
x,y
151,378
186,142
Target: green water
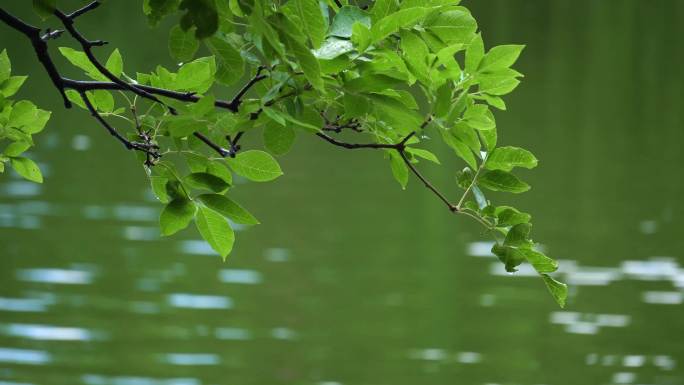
x,y
350,280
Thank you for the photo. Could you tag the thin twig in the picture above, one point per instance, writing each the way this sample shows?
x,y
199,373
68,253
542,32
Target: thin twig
x,y
237,100
149,149
453,208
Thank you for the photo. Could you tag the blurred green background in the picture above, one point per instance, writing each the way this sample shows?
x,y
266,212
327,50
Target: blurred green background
x,y
349,279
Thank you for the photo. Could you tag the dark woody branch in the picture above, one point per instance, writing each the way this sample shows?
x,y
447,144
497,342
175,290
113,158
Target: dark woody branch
x,y
87,45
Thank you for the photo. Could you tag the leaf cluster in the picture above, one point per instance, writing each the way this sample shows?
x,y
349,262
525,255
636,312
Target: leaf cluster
x,y
19,120
400,76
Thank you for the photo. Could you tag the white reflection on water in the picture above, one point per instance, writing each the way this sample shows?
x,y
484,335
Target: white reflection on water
x,y
283,333
191,359
194,301
468,357
20,188
243,276
624,378
277,254
25,304
140,233
663,297
435,354
196,247
96,379
24,356
141,307
122,212
60,276
585,323
80,142
232,334
633,361
46,332
653,269
480,249
136,213
14,383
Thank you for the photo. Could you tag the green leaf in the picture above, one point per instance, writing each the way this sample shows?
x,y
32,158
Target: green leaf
x,y
511,257
75,98
399,169
479,117
346,17
262,28
489,138
558,290
23,112
255,165
182,126
460,148
203,180
395,114
215,230
80,60
405,18
474,54
27,169
309,119
220,170
500,57
494,101
203,107
505,158
540,262
425,154
500,82
308,63
158,184
311,19
278,139
332,48
498,180
40,119
11,85
102,100
227,207
176,215
509,216
453,26
115,63
230,65
158,9
197,76
44,8
361,36
275,115
16,148
174,188
519,236
202,14
382,8
5,66
182,44
415,54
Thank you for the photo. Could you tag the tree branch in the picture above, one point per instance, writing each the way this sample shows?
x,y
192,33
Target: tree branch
x,y
453,208
237,100
41,49
61,83
400,147
147,148
87,45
